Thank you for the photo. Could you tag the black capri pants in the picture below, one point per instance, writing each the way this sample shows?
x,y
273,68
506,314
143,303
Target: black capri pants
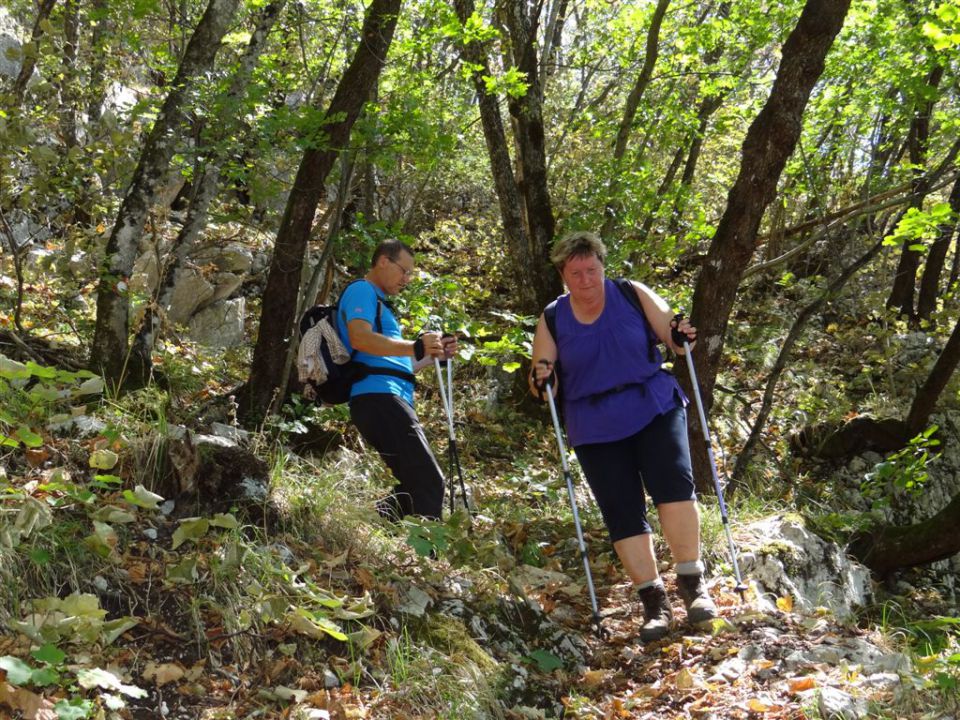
x,y
655,459
387,422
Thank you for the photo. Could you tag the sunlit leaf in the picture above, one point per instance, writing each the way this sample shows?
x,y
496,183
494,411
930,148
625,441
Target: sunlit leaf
x,y
190,529
90,678
18,672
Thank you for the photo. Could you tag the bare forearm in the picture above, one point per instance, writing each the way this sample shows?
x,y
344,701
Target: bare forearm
x,y
376,344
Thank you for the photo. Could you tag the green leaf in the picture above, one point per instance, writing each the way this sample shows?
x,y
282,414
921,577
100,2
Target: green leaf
x,y
18,672
73,709
185,572
190,529
41,371
510,367
103,459
225,520
112,629
50,654
545,661
141,497
45,676
28,437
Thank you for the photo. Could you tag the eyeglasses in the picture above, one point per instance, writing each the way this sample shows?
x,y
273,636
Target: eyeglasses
x,y
406,273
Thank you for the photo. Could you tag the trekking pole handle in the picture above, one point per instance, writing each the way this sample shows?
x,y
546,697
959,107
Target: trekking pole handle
x,y
680,338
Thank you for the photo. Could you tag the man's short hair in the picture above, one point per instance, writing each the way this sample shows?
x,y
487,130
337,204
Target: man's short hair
x,y
577,244
391,249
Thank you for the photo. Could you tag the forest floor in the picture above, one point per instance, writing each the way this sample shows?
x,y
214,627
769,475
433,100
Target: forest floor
x,y
227,622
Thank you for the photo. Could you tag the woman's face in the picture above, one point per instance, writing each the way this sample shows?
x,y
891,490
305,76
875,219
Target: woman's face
x,y
583,276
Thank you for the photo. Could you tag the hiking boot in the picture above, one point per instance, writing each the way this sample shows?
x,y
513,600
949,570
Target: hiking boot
x,y
693,590
657,612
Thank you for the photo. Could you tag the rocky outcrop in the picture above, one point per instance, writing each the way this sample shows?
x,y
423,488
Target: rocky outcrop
x,y
786,559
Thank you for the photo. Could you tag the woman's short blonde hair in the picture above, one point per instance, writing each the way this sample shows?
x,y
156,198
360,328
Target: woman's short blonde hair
x,y
577,244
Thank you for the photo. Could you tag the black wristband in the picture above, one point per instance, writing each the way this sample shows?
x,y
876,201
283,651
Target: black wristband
x,y
418,349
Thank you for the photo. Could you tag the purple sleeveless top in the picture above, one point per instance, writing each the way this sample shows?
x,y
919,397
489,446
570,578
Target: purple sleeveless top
x,y
612,384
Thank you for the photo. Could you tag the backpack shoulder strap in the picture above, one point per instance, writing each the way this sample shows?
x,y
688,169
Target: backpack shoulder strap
x,y
630,293
550,317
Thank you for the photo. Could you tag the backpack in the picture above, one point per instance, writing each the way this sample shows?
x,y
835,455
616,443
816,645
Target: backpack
x,y
324,365
626,288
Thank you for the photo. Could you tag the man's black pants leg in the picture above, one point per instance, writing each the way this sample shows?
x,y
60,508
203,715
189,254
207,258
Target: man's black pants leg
x,y
389,424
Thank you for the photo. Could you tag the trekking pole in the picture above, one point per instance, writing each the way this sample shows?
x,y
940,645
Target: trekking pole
x,y
446,395
600,631
741,587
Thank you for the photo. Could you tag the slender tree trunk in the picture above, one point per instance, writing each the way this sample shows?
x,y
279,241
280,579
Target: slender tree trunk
x,y
905,280
279,308
523,261
936,260
97,81
890,548
71,39
955,268
769,143
530,137
30,59
110,341
929,393
206,187
630,113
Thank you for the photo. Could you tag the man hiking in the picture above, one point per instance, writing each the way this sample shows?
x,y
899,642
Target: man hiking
x,y
381,406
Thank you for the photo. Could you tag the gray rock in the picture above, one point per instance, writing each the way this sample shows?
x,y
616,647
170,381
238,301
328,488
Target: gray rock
x,y
835,704
883,681
728,671
10,45
229,432
80,425
190,291
215,440
411,600
790,560
330,679
232,257
220,325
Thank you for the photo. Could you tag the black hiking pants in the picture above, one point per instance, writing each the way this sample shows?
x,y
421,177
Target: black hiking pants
x,y
389,424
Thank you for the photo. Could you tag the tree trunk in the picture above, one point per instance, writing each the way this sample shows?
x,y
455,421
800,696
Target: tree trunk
x,y
97,78
885,549
905,280
68,86
630,113
206,186
109,351
523,261
933,269
279,308
530,137
929,393
30,59
769,143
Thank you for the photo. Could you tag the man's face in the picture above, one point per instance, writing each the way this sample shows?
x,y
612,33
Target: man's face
x,y
396,273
